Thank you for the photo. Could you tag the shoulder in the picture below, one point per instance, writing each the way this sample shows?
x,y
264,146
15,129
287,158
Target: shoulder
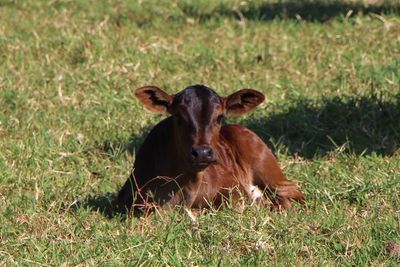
x,y
158,135
161,129
236,131
241,137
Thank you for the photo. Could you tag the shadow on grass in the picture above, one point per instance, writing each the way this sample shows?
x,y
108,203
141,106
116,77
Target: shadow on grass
x,y
104,204
313,127
355,124
314,11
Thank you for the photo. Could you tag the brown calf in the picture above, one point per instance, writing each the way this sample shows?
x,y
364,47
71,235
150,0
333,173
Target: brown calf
x,y
191,159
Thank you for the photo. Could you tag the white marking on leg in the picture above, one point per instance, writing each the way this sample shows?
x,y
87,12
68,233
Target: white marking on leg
x,y
255,193
192,217
193,220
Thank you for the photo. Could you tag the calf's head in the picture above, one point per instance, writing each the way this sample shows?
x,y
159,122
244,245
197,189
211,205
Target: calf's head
x,y
197,113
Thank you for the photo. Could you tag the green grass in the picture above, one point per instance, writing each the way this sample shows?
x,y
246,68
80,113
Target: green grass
x,y
69,127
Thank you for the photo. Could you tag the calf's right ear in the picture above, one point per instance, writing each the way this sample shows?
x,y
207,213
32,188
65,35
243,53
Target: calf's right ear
x,y
153,98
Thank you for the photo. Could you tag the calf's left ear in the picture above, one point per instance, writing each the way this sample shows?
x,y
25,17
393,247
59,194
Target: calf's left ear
x,y
242,101
153,98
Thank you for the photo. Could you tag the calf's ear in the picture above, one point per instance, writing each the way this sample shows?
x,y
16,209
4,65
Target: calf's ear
x,y
242,101
153,98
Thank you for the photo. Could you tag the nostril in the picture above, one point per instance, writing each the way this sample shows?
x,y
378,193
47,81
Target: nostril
x,y
208,153
195,153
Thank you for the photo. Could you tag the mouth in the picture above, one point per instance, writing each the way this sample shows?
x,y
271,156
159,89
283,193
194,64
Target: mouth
x,y
201,165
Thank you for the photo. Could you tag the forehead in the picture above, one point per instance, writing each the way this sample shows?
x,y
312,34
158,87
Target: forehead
x,y
197,97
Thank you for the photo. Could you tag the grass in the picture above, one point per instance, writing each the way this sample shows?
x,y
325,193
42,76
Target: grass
x,y
69,127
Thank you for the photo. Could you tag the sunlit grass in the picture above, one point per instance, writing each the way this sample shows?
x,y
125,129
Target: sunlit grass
x,y
69,127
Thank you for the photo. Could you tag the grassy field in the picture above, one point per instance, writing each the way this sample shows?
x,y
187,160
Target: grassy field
x,y
70,126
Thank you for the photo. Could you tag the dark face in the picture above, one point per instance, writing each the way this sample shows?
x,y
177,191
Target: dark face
x,y
198,113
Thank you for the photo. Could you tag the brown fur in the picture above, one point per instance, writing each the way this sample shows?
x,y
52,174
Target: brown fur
x,y
191,159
